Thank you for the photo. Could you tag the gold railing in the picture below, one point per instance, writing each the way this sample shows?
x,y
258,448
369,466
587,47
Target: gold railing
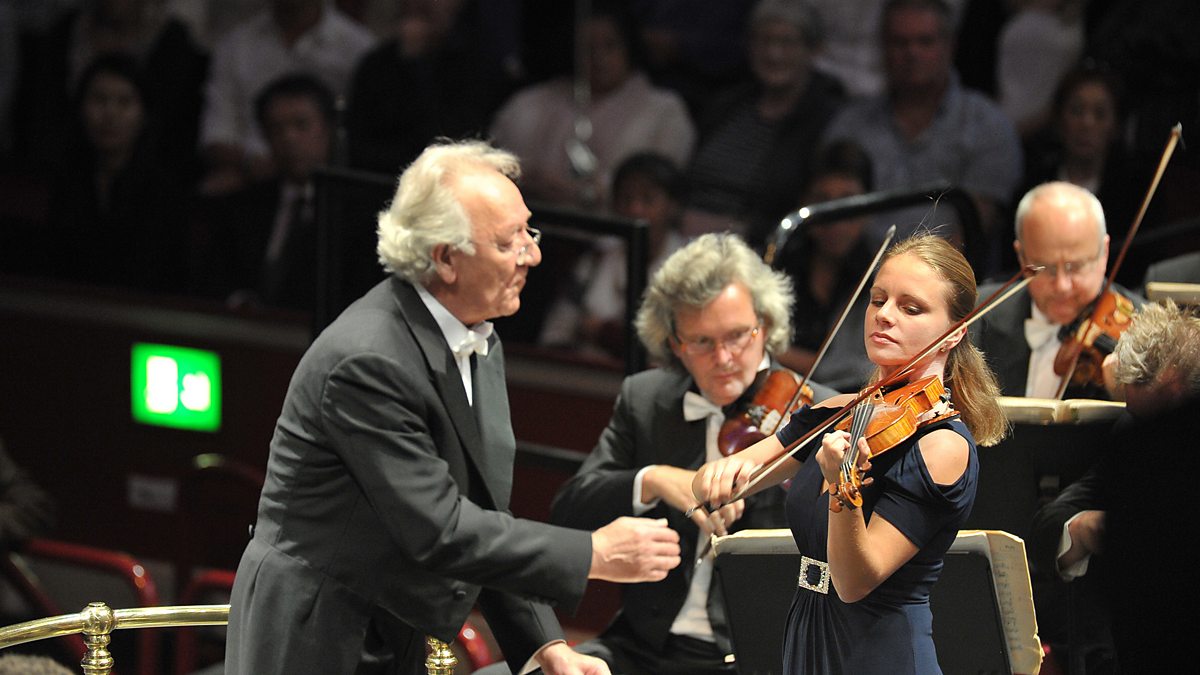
x,y
97,622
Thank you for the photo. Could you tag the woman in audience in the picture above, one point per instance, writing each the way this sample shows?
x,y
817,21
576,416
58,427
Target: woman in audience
x,y
570,139
755,139
115,208
1084,146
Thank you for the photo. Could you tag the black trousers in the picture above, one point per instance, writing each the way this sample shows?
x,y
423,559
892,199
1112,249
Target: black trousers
x,y
391,647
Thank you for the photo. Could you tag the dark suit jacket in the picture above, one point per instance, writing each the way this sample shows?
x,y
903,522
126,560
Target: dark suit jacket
x,y
386,493
238,231
647,427
1000,334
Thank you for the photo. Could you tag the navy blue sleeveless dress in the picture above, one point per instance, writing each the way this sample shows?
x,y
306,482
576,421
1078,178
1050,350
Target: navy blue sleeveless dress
x,y
891,630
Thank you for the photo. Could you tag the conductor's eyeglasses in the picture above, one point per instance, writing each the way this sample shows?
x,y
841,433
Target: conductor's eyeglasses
x,y
512,247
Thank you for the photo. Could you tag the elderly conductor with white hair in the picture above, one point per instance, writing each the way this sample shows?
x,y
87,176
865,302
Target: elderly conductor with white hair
x,y
384,514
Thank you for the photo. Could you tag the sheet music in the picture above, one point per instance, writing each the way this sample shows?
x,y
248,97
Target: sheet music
x,y
1014,593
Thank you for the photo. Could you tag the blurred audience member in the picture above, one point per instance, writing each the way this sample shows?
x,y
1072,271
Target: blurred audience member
x,y
693,53
589,313
310,36
170,63
1083,146
1153,46
1039,44
210,20
429,80
826,261
850,51
927,127
570,135
755,140
115,204
263,237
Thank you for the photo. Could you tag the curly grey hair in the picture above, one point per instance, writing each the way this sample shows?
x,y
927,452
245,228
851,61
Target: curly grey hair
x,y
1162,342
426,210
693,277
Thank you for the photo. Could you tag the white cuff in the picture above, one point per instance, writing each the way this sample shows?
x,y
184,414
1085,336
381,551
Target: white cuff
x,y
1064,544
532,664
638,506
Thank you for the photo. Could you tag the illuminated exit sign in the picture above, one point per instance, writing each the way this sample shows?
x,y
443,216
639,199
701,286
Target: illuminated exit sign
x,y
176,387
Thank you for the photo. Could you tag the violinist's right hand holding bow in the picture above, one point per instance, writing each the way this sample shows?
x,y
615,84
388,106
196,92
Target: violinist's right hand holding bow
x,y
672,485
718,481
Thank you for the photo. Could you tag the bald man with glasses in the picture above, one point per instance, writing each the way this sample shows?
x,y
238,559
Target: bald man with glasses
x,y
1061,227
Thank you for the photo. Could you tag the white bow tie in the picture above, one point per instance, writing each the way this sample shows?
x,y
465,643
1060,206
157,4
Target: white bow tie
x,y
1039,332
475,342
696,407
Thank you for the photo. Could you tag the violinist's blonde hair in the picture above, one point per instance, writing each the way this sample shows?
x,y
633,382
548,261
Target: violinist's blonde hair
x,y
973,387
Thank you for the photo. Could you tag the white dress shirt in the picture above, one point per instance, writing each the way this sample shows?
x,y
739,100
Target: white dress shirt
x,y
1042,337
463,341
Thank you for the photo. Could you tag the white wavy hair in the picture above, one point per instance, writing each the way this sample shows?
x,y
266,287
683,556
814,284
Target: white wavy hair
x,y
426,210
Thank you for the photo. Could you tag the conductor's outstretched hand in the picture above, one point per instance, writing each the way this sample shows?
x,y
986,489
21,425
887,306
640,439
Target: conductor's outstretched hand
x,y
634,550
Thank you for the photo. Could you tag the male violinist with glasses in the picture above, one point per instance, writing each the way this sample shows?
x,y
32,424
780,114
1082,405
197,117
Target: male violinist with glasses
x,y
1061,227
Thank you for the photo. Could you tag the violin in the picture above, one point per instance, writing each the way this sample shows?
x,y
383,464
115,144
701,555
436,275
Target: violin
x,y
783,393
780,394
885,420
1094,334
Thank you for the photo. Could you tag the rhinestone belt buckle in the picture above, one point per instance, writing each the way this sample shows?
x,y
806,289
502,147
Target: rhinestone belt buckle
x,y
822,585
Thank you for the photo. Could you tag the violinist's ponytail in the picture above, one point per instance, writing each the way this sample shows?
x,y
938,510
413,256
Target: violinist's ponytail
x,y
973,387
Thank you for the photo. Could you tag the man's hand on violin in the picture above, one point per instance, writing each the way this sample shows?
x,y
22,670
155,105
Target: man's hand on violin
x,y
1108,370
717,482
833,451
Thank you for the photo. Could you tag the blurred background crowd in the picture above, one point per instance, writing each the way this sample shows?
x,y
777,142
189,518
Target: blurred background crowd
x,y
169,145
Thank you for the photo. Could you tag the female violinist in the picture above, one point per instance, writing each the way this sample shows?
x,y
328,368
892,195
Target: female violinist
x,y
863,604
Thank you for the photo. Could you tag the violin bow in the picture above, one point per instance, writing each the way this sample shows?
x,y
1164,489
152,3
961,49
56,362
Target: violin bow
x,y
991,302
862,283
1000,295
1175,137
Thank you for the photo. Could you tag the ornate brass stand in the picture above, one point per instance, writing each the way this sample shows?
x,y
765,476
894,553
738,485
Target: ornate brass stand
x,y
441,660
97,622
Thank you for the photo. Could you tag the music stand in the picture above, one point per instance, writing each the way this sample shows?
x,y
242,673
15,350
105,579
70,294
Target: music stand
x,y
758,569
1182,294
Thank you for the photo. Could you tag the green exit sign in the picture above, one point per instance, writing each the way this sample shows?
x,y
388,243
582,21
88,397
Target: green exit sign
x,y
176,387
